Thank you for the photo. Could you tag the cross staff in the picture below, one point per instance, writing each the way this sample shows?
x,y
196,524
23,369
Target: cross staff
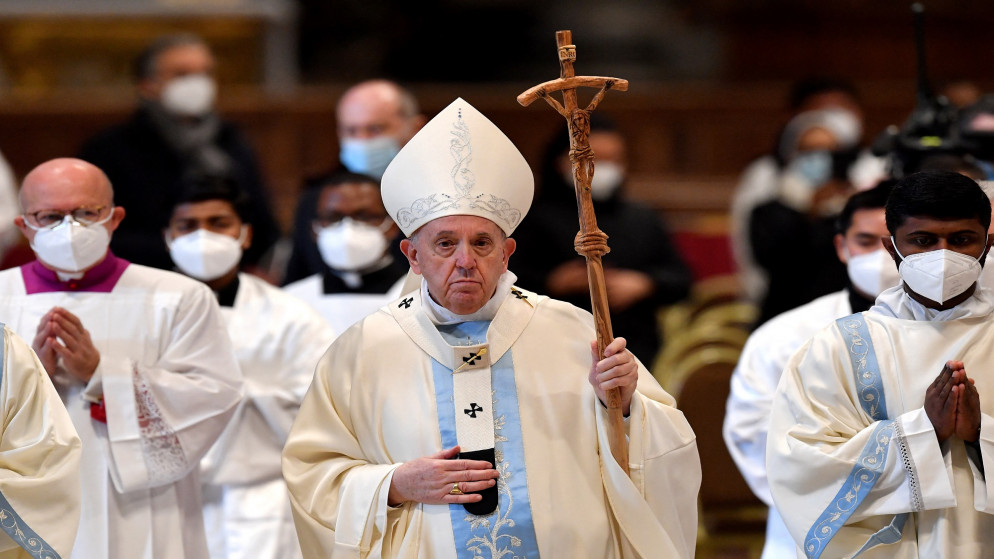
x,y
590,242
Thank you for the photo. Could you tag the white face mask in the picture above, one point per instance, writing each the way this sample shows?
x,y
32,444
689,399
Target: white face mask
x,y
351,246
938,275
607,178
71,246
206,255
369,157
191,95
873,272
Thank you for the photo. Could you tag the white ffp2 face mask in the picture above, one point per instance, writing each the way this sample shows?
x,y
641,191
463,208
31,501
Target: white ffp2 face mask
x,y
351,246
71,246
191,95
206,255
938,275
607,178
873,272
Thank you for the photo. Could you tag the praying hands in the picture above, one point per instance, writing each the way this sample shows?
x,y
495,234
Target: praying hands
x,y
952,404
61,337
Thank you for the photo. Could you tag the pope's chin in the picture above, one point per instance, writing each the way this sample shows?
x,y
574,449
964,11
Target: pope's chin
x,y
466,300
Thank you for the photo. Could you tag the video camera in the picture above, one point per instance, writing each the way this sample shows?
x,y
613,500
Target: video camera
x,y
935,127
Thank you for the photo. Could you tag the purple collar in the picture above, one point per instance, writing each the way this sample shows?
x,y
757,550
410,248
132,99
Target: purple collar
x,y
99,279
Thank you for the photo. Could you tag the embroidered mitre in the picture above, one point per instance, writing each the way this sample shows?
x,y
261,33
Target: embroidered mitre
x,y
460,163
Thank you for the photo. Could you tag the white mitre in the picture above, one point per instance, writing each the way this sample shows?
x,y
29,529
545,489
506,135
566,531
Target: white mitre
x,y
458,164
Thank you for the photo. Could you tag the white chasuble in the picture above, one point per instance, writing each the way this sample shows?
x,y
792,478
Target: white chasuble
x,y
168,382
374,403
853,460
278,340
39,459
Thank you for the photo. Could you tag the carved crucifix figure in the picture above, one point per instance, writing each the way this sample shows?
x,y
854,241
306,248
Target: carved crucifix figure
x,y
590,242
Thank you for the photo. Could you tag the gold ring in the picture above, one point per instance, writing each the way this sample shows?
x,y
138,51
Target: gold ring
x,y
455,489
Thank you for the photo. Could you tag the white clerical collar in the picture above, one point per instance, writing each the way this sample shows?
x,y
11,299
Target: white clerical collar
x,y
897,303
440,315
66,276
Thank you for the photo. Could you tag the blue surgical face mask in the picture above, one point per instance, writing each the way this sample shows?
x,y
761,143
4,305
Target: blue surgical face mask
x,y
815,167
369,157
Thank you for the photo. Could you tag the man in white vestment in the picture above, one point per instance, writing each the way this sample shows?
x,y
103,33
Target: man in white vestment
x,y
374,119
278,340
747,415
39,459
355,237
139,356
881,426
467,419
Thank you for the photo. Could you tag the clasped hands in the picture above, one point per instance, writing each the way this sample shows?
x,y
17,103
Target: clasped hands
x,y
79,356
952,404
438,479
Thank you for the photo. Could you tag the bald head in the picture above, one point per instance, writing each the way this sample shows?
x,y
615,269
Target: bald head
x,y
378,108
65,182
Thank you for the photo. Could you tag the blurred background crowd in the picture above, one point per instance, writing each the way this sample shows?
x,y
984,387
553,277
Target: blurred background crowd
x,y
719,176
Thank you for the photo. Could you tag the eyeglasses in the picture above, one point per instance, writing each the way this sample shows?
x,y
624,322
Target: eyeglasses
x,y
50,219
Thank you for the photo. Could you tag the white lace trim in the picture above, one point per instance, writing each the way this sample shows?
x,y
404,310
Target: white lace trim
x,y
161,448
909,466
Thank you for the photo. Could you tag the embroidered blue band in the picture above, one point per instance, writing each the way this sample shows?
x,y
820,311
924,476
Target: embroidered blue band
x,y
857,486
871,461
507,531
866,371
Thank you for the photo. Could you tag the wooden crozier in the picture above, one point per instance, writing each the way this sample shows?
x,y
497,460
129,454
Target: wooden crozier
x,y
590,242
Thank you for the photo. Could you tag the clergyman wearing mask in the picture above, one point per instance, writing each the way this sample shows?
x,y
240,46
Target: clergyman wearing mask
x,y
278,340
817,149
860,228
374,119
357,242
644,269
176,131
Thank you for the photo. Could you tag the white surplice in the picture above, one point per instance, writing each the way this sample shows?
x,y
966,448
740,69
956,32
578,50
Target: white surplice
x,y
341,310
169,382
754,381
372,406
278,340
39,460
824,445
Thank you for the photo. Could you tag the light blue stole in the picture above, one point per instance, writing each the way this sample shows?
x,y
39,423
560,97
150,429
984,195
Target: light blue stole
x,y
871,461
506,533
10,521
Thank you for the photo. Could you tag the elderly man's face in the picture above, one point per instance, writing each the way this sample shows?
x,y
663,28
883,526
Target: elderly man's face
x,y
371,111
462,258
66,185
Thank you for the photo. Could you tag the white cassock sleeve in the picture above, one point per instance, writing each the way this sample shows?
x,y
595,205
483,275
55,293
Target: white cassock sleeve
x,y
279,399
655,505
822,445
333,485
162,417
747,412
39,460
278,363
